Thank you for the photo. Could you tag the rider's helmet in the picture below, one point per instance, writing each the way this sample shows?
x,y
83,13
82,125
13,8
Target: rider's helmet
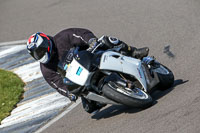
x,y
39,47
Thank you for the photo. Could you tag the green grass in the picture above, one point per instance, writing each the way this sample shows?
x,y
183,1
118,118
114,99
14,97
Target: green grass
x,y
11,90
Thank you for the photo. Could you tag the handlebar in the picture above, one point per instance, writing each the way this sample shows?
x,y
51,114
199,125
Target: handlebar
x,y
99,44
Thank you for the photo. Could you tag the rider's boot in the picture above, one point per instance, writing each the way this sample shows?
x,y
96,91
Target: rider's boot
x,y
134,52
111,42
140,52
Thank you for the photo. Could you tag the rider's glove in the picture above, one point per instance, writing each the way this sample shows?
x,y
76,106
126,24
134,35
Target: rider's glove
x,y
67,58
92,44
72,97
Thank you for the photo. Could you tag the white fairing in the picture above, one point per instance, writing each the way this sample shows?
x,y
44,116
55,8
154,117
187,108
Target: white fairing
x,y
77,73
117,62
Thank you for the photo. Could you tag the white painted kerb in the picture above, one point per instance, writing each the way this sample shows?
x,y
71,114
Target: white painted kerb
x,y
34,107
13,42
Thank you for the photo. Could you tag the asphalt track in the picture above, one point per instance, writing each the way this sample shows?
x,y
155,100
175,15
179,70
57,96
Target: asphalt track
x,y
170,28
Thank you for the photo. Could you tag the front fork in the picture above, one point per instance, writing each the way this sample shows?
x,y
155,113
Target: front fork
x,y
151,77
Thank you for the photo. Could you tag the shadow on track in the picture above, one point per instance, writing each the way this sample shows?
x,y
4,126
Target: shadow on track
x,y
158,93
113,111
118,109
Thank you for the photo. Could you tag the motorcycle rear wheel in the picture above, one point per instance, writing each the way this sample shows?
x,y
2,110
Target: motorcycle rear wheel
x,y
129,97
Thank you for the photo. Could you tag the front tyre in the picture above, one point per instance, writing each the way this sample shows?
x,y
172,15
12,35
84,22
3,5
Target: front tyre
x,y
165,76
130,97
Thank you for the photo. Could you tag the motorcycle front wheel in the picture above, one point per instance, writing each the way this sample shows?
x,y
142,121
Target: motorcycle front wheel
x,y
165,76
130,97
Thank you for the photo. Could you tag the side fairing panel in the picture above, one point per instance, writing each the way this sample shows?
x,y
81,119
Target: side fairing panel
x,y
111,61
116,62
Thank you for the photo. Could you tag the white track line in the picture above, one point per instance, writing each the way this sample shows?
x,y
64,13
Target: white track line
x,y
13,42
59,116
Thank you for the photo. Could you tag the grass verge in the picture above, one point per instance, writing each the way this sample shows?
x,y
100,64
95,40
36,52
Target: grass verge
x,y
11,90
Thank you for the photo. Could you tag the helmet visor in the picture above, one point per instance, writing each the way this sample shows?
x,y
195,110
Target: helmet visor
x,y
44,59
40,51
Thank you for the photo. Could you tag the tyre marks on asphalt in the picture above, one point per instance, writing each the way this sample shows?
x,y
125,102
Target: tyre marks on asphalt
x,y
168,52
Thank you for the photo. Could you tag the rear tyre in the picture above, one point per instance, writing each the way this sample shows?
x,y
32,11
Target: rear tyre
x,y
133,98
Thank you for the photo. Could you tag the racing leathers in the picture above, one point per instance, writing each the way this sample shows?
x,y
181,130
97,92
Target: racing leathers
x,y
62,43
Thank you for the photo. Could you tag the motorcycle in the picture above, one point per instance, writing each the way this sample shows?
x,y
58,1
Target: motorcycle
x,y
109,77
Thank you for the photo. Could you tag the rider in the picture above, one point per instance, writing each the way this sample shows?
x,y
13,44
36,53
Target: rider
x,y
50,50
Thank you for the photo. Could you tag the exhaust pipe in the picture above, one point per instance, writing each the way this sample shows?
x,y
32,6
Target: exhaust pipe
x,y
101,99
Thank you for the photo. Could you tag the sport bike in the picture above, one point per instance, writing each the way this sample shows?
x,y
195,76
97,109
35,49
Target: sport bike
x,y
109,77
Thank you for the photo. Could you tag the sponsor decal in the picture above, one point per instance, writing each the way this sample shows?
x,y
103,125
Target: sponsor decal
x,y
31,45
65,67
104,58
139,72
79,71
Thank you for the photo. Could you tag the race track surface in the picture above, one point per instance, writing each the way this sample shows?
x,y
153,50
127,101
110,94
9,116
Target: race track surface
x,y
170,28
